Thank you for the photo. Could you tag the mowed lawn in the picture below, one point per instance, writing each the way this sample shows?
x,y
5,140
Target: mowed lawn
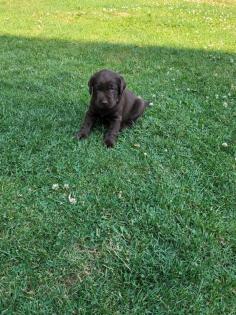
x,y
149,226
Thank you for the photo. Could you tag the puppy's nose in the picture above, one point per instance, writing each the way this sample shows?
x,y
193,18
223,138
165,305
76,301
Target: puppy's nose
x,y
104,102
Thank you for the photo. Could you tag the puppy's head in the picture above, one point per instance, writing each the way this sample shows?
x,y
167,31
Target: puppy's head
x,y
106,88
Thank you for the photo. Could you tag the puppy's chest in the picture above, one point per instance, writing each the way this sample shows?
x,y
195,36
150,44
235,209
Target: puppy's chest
x,y
104,115
104,118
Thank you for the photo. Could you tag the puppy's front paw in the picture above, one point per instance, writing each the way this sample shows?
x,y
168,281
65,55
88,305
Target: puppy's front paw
x,y
109,142
81,135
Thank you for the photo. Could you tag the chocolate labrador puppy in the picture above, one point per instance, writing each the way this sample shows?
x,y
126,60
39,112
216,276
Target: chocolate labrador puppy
x,y
112,104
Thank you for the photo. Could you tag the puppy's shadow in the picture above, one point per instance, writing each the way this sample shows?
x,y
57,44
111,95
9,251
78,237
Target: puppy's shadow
x,y
102,126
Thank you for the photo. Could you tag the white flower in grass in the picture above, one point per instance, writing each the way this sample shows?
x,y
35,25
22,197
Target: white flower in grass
x,y
66,186
72,200
120,194
225,104
55,186
224,144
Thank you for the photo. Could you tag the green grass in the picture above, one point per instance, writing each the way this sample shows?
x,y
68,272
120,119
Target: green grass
x,y
153,229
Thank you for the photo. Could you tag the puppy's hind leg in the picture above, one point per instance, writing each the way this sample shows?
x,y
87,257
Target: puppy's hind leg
x,y
138,109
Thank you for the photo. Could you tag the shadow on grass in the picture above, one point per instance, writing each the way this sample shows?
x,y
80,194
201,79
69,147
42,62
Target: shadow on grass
x,y
44,84
41,67
39,73
44,93
159,224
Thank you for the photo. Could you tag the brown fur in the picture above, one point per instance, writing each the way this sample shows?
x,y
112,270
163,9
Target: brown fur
x,y
112,104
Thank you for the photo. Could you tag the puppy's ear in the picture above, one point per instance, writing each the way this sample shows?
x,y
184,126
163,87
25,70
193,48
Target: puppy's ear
x,y
121,85
91,84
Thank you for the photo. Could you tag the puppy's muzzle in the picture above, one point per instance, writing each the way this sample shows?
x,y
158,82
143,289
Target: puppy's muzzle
x,y
104,102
